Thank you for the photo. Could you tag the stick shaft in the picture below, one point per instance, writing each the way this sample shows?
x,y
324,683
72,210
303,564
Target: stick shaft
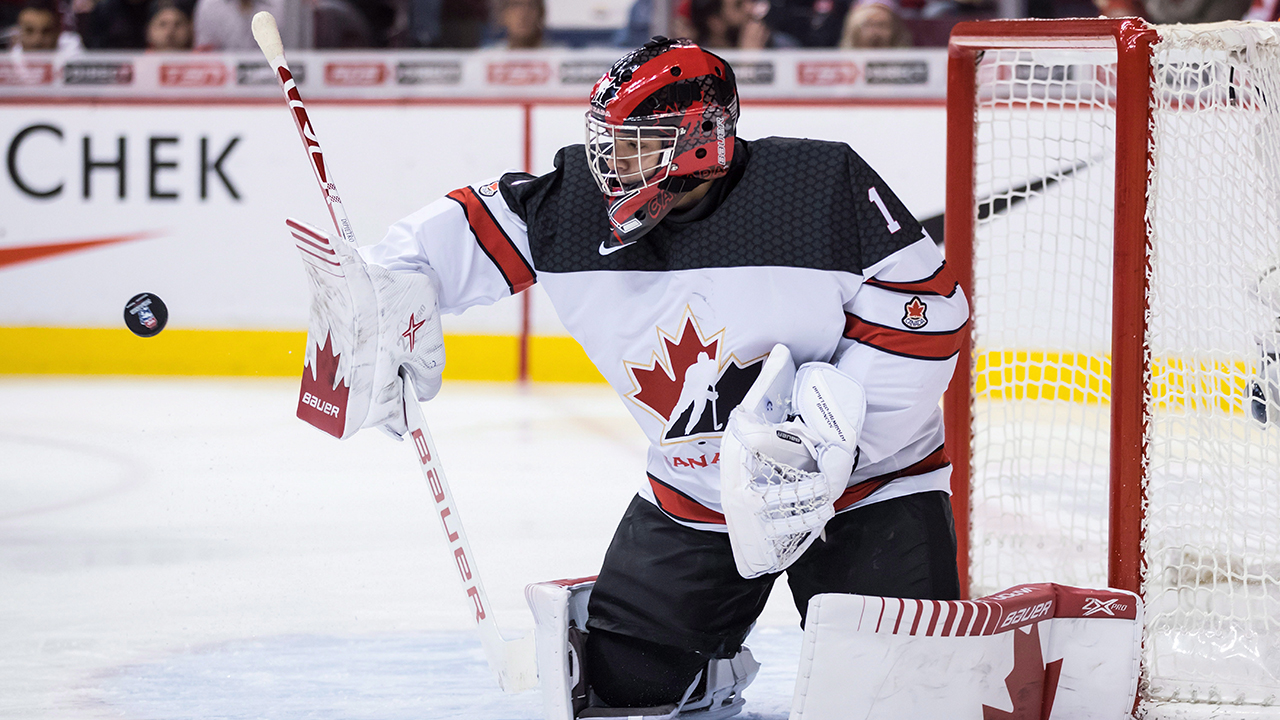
x,y
511,660
516,670
328,188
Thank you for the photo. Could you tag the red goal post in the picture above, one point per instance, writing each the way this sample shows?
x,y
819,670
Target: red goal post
x,y
1133,39
1113,203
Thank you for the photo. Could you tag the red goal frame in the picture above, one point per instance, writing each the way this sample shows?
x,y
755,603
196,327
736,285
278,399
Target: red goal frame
x,y
1133,39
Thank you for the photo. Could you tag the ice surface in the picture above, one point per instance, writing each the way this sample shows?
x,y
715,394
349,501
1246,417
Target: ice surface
x,y
188,549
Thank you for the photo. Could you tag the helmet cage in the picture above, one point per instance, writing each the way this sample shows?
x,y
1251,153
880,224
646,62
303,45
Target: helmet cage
x,y
631,156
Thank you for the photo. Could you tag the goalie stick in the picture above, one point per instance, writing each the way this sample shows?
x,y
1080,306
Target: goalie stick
x,y
513,661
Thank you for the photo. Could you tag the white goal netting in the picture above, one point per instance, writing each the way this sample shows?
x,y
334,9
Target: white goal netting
x,y
1044,243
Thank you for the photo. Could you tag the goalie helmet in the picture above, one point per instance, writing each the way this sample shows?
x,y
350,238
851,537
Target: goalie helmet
x,y
661,123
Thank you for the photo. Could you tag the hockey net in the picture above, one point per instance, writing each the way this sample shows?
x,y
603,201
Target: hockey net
x,y
1113,198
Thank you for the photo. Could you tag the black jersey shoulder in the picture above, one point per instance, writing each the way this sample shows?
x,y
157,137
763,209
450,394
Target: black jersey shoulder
x,y
799,203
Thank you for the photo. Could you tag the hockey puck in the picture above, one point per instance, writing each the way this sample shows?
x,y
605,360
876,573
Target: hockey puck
x,y
145,314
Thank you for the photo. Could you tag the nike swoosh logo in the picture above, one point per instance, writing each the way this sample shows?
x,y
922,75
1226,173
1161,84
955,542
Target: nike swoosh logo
x,y
610,250
27,253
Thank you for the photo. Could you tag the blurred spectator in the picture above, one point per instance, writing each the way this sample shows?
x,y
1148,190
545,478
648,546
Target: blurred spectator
x,y
338,24
447,23
1176,11
731,24
808,23
958,10
226,24
521,24
874,24
639,23
39,29
639,27
9,10
360,23
1264,10
170,28
113,24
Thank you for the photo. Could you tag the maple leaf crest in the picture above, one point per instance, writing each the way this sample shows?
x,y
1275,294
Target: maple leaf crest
x,y
658,386
322,401
1032,685
914,317
691,382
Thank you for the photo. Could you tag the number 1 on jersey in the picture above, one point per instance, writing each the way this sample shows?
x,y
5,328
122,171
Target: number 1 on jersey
x,y
874,197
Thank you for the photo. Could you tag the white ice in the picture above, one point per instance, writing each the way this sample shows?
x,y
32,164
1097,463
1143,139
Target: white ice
x,y
188,549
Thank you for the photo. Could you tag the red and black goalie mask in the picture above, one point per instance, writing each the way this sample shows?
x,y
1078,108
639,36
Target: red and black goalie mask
x,y
661,123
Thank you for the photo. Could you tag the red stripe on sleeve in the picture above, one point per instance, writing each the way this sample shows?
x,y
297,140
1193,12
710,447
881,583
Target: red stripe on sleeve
x,y
494,241
907,343
681,506
943,282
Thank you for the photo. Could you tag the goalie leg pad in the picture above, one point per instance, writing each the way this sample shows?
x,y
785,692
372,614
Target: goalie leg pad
x,y
1043,651
366,323
560,614
560,617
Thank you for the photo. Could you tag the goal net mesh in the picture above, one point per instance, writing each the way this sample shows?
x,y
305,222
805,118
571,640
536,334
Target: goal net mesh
x,y
1044,181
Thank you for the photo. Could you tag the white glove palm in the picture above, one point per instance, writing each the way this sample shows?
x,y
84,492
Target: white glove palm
x,y
780,477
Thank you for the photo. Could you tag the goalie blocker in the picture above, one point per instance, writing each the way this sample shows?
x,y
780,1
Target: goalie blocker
x,y
366,324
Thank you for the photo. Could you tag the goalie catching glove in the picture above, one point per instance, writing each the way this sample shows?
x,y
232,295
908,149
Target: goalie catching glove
x,y
366,324
786,456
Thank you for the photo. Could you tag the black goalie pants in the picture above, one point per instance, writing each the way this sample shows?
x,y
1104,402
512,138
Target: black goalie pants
x,y
669,597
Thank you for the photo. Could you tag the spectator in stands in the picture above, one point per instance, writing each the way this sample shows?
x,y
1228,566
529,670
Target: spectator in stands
x,y
447,23
874,24
808,23
521,24
39,29
639,27
1264,10
225,24
170,28
360,23
114,24
731,24
958,10
1176,11
9,10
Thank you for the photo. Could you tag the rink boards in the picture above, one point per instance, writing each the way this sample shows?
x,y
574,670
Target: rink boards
x,y
187,199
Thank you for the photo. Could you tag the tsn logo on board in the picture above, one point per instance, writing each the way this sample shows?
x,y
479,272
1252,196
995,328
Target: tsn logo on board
x,y
193,74
348,73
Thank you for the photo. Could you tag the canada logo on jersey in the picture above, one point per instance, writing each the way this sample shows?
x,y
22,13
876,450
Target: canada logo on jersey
x,y
914,317
691,383
489,190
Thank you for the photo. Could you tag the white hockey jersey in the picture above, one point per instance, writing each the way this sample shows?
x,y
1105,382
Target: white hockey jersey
x,y
803,245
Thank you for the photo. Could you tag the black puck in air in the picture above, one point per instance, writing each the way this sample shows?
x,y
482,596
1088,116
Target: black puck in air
x,y
145,314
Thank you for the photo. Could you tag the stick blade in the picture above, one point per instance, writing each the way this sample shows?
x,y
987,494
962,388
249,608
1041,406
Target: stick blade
x,y
267,34
519,671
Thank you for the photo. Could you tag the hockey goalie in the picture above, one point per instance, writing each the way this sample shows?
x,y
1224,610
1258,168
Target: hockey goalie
x,y
781,329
